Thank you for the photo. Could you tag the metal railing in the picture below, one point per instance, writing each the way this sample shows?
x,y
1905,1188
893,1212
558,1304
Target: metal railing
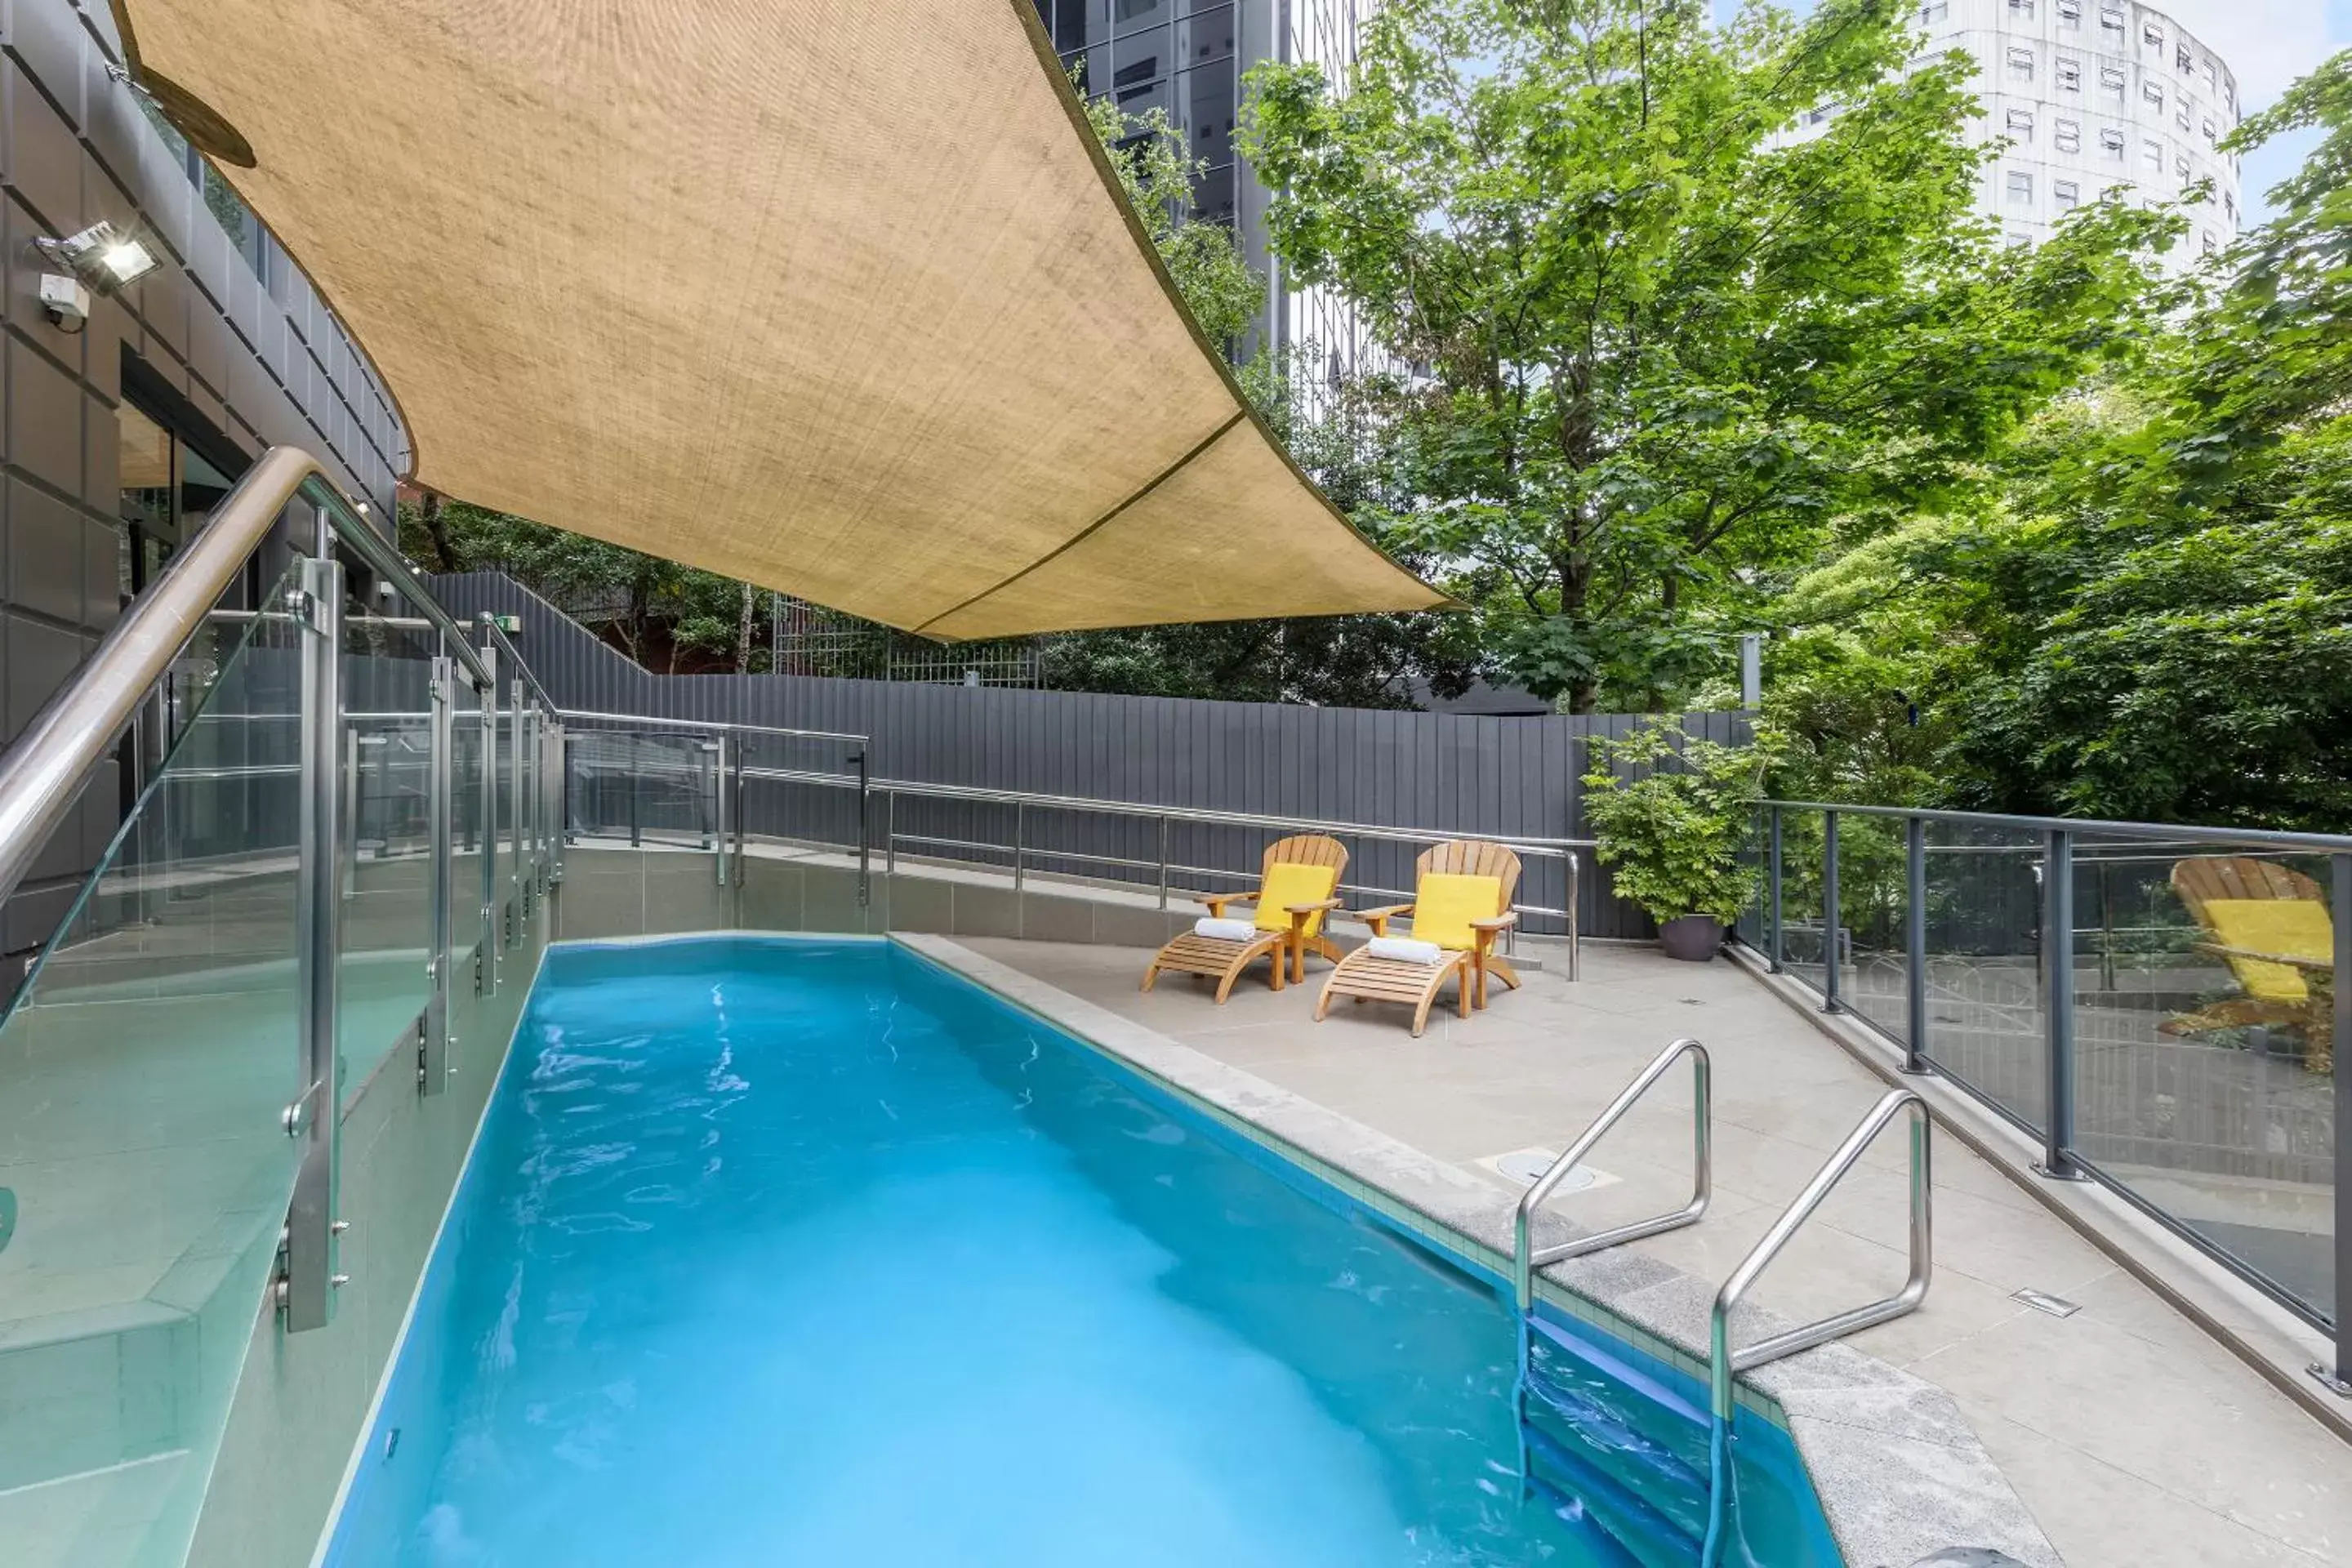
x,y
1526,1258
44,771
1724,1363
1164,867
2098,1032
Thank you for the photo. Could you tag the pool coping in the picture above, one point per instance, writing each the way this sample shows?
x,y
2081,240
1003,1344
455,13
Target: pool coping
x,y
1899,1471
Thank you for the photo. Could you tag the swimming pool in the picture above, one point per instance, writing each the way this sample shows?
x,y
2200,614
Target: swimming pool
x,y
792,1251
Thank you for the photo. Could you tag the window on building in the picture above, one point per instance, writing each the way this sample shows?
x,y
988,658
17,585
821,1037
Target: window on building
x,y
2211,245
2020,188
2209,129
2153,92
2152,154
2018,239
2069,135
2021,7
2111,79
2182,60
2111,143
2152,33
2021,124
2180,114
2021,64
2069,13
2069,74
2111,19
2229,207
1935,10
2181,166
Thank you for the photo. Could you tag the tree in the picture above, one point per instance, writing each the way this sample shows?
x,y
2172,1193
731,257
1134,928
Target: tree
x,y
2176,621
1670,346
647,605
1362,661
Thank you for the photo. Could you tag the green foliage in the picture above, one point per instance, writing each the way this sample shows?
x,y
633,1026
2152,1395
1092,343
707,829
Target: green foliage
x,y
1204,258
1672,813
2146,611
647,606
1669,349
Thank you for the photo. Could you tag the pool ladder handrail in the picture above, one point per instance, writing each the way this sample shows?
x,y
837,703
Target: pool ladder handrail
x,y
1723,1361
1526,1260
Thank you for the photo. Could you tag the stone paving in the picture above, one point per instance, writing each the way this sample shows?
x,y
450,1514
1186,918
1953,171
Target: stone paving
x,y
2136,1440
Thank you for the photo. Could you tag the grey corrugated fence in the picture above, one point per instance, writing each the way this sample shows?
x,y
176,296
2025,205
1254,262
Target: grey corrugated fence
x,y
1447,772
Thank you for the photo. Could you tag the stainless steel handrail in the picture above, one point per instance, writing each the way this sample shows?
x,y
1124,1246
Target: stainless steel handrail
x,y
1566,850
2184,832
42,770
1526,1260
727,726
1723,1361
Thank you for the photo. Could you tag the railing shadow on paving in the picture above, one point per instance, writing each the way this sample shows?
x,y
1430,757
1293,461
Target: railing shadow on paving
x,y
2154,1005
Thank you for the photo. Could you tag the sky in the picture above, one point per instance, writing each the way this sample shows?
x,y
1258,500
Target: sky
x,y
2268,43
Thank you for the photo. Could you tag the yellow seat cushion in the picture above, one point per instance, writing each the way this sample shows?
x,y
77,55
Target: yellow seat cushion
x,y
1446,902
2296,928
1287,883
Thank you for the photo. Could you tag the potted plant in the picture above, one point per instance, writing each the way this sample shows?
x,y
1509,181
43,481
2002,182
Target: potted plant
x,y
1671,813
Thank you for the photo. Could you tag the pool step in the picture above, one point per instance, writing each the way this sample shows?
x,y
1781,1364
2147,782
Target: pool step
x,y
1628,1463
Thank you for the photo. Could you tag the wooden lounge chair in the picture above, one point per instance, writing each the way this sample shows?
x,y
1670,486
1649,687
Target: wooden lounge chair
x,y
2271,926
1461,902
1297,883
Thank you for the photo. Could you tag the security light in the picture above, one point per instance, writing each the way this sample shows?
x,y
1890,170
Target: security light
x,y
103,256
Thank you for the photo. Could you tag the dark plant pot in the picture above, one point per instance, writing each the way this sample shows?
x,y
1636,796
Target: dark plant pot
x,y
1691,937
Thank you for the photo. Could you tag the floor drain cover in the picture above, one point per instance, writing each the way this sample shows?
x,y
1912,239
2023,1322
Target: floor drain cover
x,y
2043,1301
1524,1166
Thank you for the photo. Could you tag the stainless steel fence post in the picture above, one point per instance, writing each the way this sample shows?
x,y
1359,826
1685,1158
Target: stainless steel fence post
x,y
2058,1003
1020,825
1915,943
432,1053
1772,887
2338,1378
1575,906
1163,862
1829,953
306,1288
865,829
718,748
490,694
890,833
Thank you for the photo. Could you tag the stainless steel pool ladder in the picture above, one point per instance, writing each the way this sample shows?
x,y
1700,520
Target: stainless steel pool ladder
x,y
1526,1260
1724,1363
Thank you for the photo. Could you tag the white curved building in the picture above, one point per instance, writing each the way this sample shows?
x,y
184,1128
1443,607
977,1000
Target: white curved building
x,y
2091,95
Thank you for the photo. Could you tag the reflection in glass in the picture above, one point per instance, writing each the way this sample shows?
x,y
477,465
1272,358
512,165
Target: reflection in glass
x,y
143,1074
2204,1061
1984,964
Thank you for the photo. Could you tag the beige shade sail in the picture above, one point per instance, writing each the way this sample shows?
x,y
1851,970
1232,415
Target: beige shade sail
x,y
834,296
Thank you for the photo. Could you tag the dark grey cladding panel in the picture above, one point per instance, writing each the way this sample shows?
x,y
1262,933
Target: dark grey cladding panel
x,y
1502,777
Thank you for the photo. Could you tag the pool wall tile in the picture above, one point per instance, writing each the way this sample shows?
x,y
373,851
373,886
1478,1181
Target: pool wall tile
x,y
304,1399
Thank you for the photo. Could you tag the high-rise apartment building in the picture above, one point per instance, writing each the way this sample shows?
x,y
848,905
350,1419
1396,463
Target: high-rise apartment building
x,y
1187,57
2086,96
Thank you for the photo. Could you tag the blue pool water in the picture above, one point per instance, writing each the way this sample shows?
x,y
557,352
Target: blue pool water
x,y
795,1252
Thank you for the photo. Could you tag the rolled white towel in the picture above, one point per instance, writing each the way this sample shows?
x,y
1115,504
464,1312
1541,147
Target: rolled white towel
x,y
1224,930
1404,950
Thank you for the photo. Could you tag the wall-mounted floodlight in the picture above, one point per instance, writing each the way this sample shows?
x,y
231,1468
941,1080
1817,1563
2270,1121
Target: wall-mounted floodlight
x,y
104,256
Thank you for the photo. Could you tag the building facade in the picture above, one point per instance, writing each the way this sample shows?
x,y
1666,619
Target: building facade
x,y
1187,59
121,436
2086,96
